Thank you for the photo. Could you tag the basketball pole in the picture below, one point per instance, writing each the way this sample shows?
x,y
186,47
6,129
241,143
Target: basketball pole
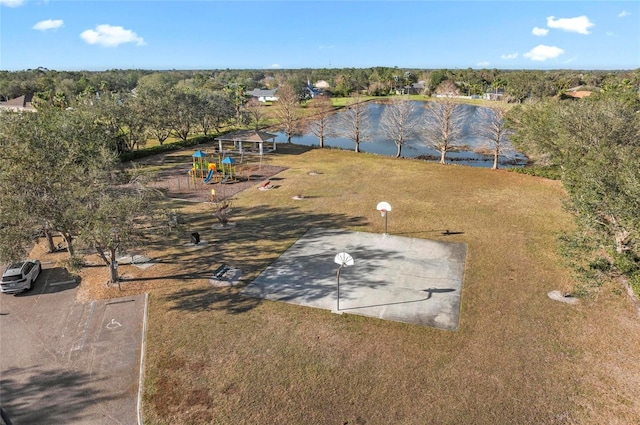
x,y
338,276
385,222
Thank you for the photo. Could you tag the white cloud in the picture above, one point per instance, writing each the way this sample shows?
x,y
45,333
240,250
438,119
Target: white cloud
x,y
542,53
623,14
483,64
539,31
11,3
509,56
111,36
580,24
275,66
49,24
610,34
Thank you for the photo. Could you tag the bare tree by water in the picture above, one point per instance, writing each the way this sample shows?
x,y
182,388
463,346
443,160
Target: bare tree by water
x,y
356,123
442,127
287,110
490,126
321,125
399,122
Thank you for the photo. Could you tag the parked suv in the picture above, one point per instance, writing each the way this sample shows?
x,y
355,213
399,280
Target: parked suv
x,y
20,276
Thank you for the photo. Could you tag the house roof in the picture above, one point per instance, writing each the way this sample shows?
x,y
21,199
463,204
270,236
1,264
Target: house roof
x,y
247,136
262,93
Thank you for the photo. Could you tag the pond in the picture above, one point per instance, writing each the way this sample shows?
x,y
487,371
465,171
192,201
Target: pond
x,y
413,148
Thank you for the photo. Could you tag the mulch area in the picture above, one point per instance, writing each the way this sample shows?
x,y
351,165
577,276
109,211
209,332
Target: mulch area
x,y
177,184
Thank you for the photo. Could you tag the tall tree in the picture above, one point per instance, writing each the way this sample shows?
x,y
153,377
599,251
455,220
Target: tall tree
x,y
115,224
443,125
491,127
74,155
399,122
77,190
323,111
153,92
287,110
256,112
356,122
448,88
183,112
597,144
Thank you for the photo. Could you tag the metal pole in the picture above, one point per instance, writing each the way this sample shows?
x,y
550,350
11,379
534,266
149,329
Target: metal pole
x,y
385,222
338,299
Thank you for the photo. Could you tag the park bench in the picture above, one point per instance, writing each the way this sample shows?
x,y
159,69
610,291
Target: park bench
x,y
221,271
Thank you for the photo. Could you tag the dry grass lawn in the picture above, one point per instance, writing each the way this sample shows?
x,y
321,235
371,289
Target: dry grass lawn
x,y
214,357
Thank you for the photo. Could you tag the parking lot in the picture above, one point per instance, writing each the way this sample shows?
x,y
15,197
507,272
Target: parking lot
x,y
66,362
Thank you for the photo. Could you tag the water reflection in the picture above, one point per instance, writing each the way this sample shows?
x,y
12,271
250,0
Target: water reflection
x,y
412,148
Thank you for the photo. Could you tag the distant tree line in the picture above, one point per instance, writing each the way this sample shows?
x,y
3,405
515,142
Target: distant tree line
x,y
60,87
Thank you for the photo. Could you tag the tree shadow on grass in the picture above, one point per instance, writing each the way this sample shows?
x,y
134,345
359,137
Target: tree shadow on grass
x,y
39,396
261,235
211,300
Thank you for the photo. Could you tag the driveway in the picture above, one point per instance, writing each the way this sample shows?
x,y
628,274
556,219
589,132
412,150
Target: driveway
x,y
65,362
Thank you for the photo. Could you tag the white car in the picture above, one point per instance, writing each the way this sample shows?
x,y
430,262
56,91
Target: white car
x,y
20,276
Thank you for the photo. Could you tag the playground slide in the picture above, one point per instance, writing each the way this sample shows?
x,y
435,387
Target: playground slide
x,y
209,176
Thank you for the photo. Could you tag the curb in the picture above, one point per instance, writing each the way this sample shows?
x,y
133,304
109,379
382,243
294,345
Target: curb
x,y
142,350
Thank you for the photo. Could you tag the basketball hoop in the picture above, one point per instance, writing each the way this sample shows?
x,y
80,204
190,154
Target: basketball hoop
x,y
384,208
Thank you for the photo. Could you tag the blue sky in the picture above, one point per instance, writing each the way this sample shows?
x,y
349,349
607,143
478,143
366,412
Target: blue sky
x,y
208,34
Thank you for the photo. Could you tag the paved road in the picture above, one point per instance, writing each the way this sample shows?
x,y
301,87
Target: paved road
x,y
65,362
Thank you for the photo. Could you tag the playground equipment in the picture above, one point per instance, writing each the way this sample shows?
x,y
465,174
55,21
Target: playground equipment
x,y
199,163
228,169
212,174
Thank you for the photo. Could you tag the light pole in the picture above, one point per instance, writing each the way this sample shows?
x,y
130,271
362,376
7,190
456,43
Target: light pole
x,y
343,259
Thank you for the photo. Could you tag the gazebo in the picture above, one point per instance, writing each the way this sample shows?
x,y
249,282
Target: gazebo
x,y
248,136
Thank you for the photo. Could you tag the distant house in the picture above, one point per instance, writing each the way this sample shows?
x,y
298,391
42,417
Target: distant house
x,y
415,88
311,91
321,84
497,94
264,95
22,103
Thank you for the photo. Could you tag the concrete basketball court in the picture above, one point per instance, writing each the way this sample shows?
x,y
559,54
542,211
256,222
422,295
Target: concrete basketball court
x,y
403,279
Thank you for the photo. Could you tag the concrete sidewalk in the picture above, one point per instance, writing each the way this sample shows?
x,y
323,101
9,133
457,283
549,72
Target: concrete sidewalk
x,y
395,278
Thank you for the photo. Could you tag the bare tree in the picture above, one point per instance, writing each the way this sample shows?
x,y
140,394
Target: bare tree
x,y
490,126
443,126
399,122
448,88
256,112
356,122
321,125
287,110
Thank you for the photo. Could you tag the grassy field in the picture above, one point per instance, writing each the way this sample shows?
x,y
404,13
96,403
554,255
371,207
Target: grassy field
x,y
214,357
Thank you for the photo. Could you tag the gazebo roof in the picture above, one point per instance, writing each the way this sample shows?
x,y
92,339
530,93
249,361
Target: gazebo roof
x,y
247,136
